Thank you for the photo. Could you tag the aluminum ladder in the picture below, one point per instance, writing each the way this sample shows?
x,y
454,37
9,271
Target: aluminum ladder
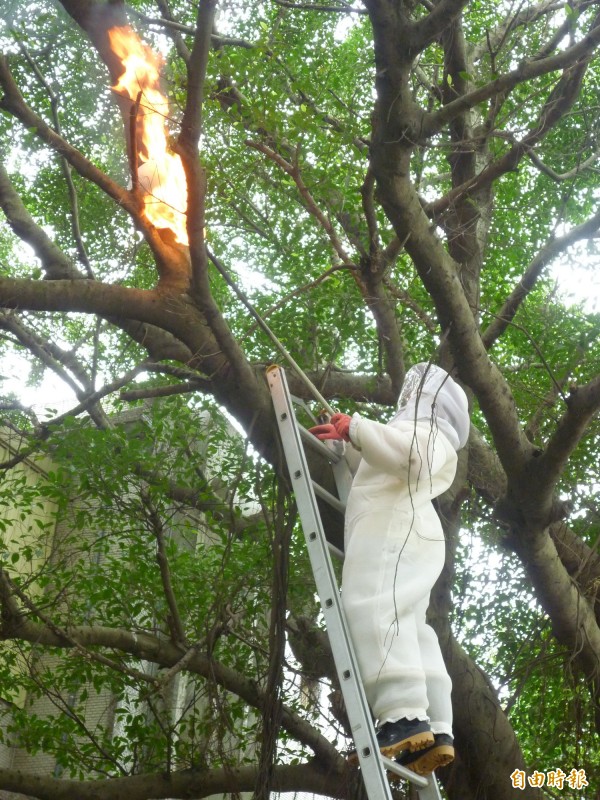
x,y
373,765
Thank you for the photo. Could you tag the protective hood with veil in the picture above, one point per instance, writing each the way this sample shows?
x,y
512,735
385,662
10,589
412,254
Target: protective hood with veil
x,y
428,392
395,546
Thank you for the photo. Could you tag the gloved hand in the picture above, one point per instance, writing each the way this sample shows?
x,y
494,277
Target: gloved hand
x,y
337,428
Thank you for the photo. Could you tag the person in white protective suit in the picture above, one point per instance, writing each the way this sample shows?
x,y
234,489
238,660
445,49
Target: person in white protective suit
x,y
395,552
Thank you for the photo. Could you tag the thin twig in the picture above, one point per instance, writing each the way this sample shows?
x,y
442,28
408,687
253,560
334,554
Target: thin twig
x,y
160,391
63,634
170,24
535,346
299,371
407,300
294,172
300,290
66,167
174,622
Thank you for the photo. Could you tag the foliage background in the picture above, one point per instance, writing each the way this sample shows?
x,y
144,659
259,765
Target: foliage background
x,y
385,183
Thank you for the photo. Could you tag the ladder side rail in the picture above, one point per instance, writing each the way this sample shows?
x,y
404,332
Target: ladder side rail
x,y
431,791
373,764
372,768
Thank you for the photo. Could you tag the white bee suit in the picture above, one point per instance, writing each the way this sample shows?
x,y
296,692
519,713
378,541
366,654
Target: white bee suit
x,y
395,547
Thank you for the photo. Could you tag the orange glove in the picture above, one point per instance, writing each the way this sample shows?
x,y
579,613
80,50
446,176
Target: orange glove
x,y
337,428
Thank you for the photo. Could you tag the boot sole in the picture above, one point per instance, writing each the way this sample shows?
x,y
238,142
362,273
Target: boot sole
x,y
426,763
414,743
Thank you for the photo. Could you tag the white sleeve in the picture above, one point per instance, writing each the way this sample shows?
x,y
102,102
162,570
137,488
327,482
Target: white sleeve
x,y
412,451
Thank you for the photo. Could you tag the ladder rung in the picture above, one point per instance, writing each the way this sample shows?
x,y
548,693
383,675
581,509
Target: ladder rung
x,y
318,446
328,497
402,772
335,551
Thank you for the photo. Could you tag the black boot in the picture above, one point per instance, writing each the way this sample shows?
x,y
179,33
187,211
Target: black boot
x,y
438,754
394,737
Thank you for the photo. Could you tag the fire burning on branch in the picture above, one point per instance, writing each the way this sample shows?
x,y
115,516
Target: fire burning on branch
x,y
156,170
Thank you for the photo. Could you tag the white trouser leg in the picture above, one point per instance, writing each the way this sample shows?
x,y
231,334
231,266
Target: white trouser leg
x,y
437,680
389,571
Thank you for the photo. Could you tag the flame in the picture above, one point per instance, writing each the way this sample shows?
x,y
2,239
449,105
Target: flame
x,y
161,175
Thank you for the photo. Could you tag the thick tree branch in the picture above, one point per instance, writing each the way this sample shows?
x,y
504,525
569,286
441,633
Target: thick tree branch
x,y
187,148
583,403
66,167
54,262
62,363
149,392
383,308
157,342
581,561
367,195
485,741
238,387
173,29
573,619
560,177
166,654
176,315
440,276
342,8
466,218
188,142
527,70
96,18
172,259
487,477
334,383
535,269
9,591
441,16
310,778
13,102
558,103
107,300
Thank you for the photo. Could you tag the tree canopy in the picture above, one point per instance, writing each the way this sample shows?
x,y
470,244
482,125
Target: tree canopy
x,y
365,185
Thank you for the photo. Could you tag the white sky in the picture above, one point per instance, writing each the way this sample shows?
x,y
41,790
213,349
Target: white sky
x,y
579,284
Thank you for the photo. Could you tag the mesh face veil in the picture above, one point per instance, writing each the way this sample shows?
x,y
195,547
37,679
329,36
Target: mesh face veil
x,y
428,392
416,380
